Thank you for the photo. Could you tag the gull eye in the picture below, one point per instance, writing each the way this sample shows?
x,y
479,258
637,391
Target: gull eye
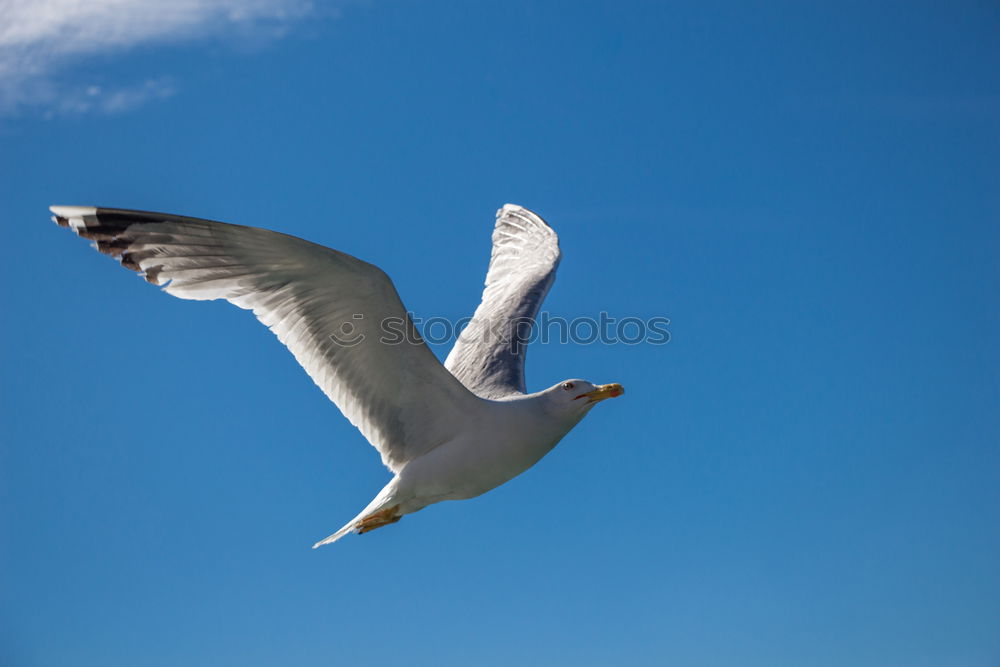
x,y
567,385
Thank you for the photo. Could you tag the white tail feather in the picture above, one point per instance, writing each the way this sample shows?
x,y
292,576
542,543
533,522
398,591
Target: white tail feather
x,y
349,528
381,501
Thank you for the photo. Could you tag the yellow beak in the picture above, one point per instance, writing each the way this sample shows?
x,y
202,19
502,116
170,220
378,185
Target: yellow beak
x,y
603,391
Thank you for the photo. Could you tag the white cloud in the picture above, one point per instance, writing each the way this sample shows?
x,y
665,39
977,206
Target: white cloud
x,y
107,100
38,38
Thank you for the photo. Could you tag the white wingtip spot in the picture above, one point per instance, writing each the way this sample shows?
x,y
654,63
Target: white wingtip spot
x,y
73,216
73,211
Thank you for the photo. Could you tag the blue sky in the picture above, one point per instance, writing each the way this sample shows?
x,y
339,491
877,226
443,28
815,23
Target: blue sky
x,y
807,474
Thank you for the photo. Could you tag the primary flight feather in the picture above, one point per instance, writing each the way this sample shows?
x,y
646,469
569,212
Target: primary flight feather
x,y
447,432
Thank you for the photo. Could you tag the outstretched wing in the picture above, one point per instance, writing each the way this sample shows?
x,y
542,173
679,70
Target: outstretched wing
x,y
489,355
339,316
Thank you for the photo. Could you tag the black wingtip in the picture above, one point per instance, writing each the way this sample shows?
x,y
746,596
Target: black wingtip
x,y
129,263
113,247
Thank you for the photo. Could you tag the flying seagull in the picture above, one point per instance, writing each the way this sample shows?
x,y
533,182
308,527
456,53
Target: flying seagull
x,y
447,432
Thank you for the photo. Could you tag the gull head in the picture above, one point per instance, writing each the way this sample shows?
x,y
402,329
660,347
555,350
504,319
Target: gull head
x,y
576,397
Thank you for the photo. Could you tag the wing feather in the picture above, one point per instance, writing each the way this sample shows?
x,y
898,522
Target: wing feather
x,y
327,307
490,352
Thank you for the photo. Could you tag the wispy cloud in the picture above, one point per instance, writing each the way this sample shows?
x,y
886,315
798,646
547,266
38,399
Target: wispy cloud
x,y
83,99
41,38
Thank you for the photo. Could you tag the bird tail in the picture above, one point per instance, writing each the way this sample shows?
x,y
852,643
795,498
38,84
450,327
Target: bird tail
x,y
349,528
381,511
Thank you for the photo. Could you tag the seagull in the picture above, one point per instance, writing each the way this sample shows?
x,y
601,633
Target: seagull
x,y
448,431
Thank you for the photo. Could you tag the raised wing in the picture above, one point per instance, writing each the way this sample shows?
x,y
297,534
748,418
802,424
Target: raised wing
x,y
489,355
339,316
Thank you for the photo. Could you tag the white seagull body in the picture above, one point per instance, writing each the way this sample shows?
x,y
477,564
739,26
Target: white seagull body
x,y
447,432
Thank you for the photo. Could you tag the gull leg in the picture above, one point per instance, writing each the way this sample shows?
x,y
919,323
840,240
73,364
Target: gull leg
x,y
378,519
